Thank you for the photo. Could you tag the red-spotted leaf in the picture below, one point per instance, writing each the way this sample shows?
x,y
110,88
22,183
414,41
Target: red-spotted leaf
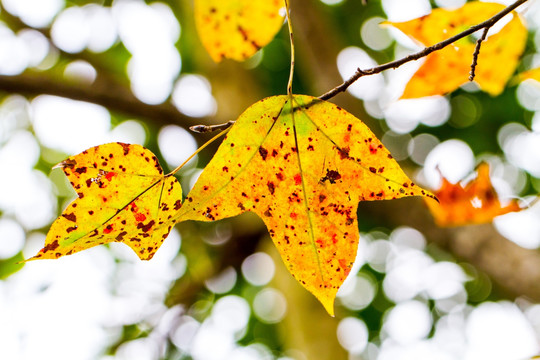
x,y
237,29
123,196
302,166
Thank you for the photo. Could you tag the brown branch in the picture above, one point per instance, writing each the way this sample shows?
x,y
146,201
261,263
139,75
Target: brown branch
x,y
474,63
105,93
96,60
424,52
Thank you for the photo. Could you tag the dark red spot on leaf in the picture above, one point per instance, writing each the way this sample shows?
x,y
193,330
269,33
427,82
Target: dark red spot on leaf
x,y
331,176
242,31
51,247
271,187
70,217
125,147
263,152
177,205
147,227
344,153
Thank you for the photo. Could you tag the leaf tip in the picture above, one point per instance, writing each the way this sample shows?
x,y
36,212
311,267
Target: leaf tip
x,y
145,256
33,258
328,304
66,163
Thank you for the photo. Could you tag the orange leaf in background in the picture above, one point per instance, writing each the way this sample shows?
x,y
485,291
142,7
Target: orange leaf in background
x,y
237,29
475,203
533,74
445,70
302,165
123,196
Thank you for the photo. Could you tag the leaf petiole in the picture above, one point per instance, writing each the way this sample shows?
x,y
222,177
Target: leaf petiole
x,y
291,73
198,151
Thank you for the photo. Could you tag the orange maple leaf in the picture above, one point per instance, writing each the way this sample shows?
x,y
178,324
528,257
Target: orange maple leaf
x,y
473,203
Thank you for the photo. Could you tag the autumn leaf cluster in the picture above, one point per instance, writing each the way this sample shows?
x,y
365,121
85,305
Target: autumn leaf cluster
x,y
300,163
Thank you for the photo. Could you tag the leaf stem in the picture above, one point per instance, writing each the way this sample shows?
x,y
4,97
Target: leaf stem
x,y
424,52
198,151
291,73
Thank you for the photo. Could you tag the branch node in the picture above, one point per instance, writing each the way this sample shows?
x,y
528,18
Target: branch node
x,y
201,129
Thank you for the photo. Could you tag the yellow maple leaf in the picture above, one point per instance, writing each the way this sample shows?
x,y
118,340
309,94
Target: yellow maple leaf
x,y
473,203
123,196
445,70
302,166
237,29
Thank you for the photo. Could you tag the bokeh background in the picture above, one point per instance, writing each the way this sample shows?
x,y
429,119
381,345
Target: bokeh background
x,y
75,74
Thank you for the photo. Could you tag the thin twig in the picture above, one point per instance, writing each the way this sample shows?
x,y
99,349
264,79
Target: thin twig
x,y
291,73
424,52
472,74
211,128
